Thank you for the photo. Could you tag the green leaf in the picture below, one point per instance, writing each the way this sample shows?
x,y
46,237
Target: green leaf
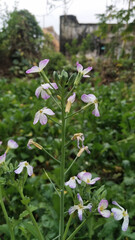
x,y
25,213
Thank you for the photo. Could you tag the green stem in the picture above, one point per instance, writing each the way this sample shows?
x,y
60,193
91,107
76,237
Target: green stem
x,y
55,101
40,237
62,167
50,155
71,165
51,182
70,92
67,227
83,108
6,216
77,230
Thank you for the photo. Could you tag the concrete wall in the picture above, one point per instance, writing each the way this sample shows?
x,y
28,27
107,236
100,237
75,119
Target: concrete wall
x,y
71,29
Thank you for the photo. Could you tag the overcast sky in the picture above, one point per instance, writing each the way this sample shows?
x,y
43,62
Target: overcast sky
x,y
84,10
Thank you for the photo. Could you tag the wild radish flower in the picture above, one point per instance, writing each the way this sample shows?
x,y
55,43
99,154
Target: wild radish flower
x,y
83,72
2,158
79,175
70,100
22,165
79,137
85,148
102,208
41,115
31,142
119,214
91,99
80,207
87,178
12,144
72,182
42,65
41,90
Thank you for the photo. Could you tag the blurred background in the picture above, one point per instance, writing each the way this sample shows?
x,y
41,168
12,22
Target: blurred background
x,y
101,34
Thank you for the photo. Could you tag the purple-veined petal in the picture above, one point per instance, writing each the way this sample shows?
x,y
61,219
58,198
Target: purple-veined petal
x,y
80,212
94,180
79,198
2,158
29,169
81,174
19,170
105,213
36,119
72,183
48,111
46,86
85,98
125,223
51,86
43,119
72,209
43,63
33,70
78,180
54,85
118,214
96,113
12,144
79,67
38,91
72,98
115,203
44,95
86,70
103,203
89,206
87,177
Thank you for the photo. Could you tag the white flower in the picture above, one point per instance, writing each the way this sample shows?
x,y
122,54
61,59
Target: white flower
x,y
42,65
102,208
41,115
22,165
91,99
12,144
87,178
70,100
79,207
72,182
119,214
43,87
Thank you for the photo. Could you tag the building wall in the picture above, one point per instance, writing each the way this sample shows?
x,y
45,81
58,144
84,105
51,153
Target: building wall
x,y
71,29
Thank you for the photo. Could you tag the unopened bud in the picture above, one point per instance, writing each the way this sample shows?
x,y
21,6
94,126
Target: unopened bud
x,y
68,106
59,97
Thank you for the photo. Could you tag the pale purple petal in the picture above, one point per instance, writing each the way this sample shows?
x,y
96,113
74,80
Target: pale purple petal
x,y
51,86
12,144
19,170
80,212
2,158
86,70
33,70
125,223
89,206
48,111
85,98
79,181
115,203
96,111
86,177
79,198
43,63
46,86
72,209
86,76
118,214
43,119
54,85
38,91
87,150
103,203
81,174
29,169
72,98
72,183
36,119
94,180
0,142
105,213
44,95
79,67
